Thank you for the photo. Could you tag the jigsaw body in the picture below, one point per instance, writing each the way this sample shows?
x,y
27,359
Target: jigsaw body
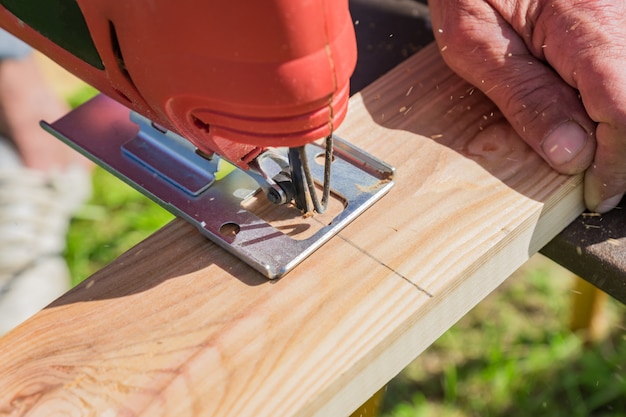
x,y
255,83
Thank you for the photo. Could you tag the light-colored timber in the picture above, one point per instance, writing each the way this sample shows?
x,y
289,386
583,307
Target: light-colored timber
x,y
178,327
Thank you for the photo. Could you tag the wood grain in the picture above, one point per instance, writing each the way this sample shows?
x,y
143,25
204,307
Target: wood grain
x,y
177,327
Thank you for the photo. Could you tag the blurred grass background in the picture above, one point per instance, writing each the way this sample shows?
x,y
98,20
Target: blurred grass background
x,y
513,355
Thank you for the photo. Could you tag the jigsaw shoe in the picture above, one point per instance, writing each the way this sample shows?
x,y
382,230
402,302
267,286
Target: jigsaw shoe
x,y
35,211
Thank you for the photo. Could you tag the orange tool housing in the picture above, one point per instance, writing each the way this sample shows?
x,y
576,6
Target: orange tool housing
x,y
232,77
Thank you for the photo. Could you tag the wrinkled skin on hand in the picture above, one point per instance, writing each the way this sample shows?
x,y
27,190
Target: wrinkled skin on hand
x,y
557,70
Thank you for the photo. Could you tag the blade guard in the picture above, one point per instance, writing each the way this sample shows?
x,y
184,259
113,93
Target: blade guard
x,y
167,169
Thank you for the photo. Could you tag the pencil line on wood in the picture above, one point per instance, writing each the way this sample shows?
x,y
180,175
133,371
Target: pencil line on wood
x,y
381,263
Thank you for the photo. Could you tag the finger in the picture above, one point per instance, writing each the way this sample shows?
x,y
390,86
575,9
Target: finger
x,y
482,47
605,180
593,62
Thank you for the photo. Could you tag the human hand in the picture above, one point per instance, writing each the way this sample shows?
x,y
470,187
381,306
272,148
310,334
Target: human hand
x,y
556,69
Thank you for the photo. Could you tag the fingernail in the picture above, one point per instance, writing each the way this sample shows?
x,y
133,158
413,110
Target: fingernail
x,y
609,204
564,143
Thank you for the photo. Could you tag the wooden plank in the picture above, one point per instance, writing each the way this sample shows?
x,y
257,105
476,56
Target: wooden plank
x,y
177,327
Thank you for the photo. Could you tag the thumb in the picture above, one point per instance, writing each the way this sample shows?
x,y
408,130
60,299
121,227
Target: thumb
x,y
478,44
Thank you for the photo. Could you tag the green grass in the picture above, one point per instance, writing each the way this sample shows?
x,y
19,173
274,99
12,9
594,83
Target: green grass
x,y
513,355
116,218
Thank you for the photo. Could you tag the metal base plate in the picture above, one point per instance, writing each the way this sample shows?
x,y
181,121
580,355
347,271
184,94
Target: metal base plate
x,y
167,169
